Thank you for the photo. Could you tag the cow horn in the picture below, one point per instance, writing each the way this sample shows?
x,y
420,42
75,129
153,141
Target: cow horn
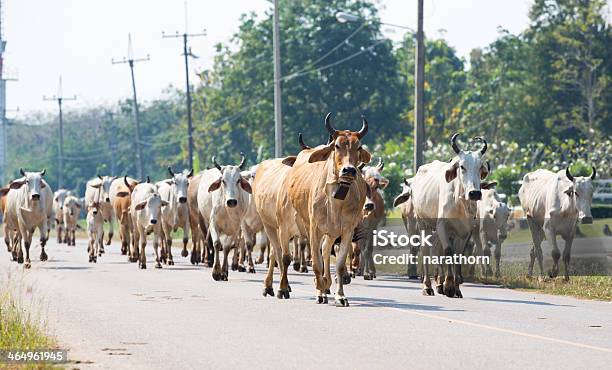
x,y
301,141
170,171
332,131
190,173
364,127
22,172
361,166
568,174
148,180
125,181
484,144
100,177
381,164
214,160
593,173
406,181
42,173
488,166
454,143
242,161
330,139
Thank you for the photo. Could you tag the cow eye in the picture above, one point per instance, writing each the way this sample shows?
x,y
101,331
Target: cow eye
x,y
463,168
338,146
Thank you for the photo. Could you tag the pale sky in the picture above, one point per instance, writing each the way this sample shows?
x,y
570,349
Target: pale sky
x,y
78,39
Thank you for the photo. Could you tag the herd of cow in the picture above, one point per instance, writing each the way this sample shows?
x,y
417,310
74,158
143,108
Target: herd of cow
x,y
324,200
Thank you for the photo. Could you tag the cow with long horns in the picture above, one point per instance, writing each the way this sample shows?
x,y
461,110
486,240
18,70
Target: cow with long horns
x,y
328,193
554,202
444,196
222,203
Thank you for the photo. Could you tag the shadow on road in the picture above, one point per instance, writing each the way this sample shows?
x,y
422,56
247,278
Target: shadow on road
x,y
383,302
540,303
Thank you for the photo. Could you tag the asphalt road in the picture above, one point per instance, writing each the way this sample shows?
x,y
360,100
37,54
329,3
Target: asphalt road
x,y
113,315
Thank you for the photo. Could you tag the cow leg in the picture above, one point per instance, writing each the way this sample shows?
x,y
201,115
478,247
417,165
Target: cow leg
x,y
427,289
327,250
316,243
225,265
303,260
556,253
236,257
242,256
155,248
268,290
296,254
497,258
369,271
537,234
355,261
449,283
262,254
284,260
143,257
567,251
27,243
272,236
169,258
43,239
486,268
111,230
249,254
479,240
342,276
134,256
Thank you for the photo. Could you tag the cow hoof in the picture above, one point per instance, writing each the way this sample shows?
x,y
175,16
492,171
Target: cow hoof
x,y
342,302
309,263
268,292
210,260
158,265
101,250
95,260
288,287
123,250
325,299
90,259
43,256
346,279
327,291
241,268
303,269
224,276
27,265
251,270
216,275
440,289
184,253
353,274
170,263
367,277
296,266
282,294
234,266
458,293
428,291
321,299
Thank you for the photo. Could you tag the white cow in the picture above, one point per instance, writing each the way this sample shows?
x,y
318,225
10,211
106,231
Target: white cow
x,y
70,215
98,190
176,214
222,202
58,211
29,205
444,197
95,231
554,203
492,228
251,226
404,201
145,209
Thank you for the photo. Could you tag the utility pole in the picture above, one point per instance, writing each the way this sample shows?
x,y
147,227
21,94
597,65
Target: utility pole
x,y
130,60
59,98
278,114
3,119
112,146
187,53
419,74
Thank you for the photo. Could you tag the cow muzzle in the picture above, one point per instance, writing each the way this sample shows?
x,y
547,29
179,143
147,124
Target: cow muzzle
x,y
35,196
348,171
107,200
231,203
475,195
153,221
183,200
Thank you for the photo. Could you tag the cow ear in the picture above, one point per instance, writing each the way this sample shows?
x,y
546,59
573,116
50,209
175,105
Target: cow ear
x,y
16,184
78,205
484,172
43,185
402,198
95,186
364,156
451,173
215,185
246,186
4,191
382,184
123,194
289,161
140,206
164,203
487,185
170,182
320,155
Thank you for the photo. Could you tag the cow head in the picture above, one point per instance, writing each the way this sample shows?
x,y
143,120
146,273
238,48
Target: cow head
x,y
181,183
33,181
344,149
93,208
468,168
153,206
230,181
103,184
72,206
404,195
373,172
130,186
60,196
582,192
